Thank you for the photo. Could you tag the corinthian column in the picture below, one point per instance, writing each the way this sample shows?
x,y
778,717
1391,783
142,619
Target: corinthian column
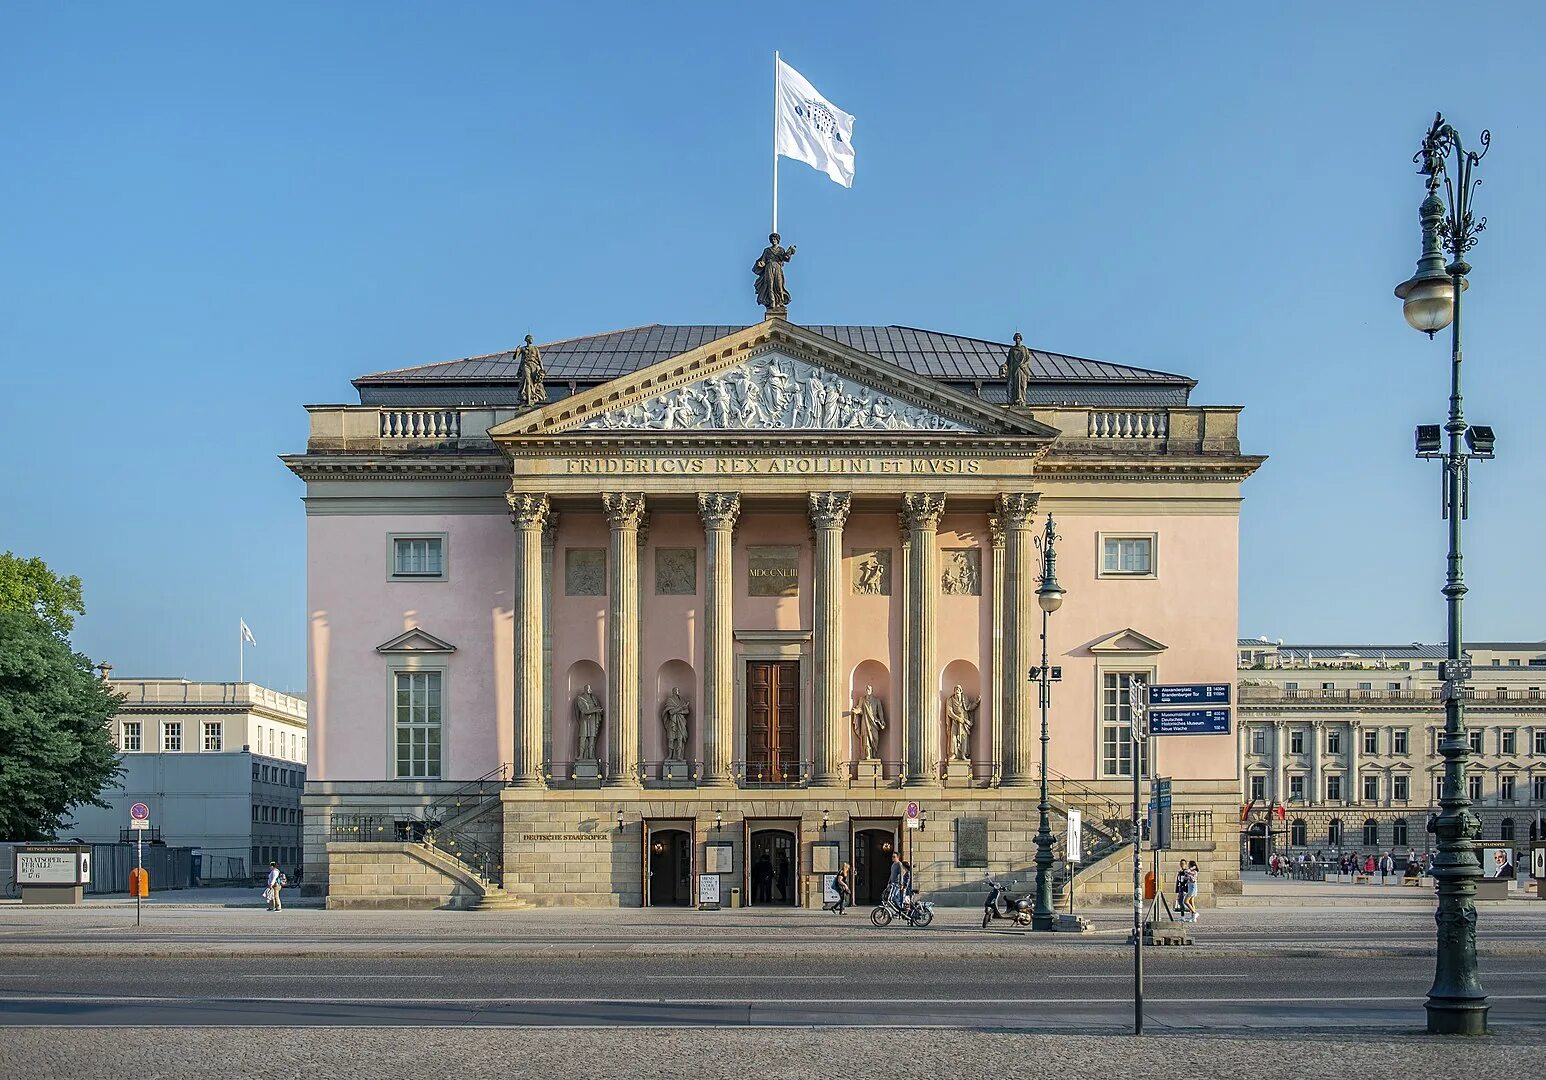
x,y
996,531
624,510
828,512
529,515
921,511
719,511
1021,627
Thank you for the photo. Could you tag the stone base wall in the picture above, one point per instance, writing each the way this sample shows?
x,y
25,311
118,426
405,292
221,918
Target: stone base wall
x,y
399,876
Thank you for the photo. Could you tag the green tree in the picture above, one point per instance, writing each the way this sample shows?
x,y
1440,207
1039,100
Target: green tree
x,y
29,585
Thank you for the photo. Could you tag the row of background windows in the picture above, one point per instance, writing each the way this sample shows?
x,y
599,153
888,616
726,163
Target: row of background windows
x,y
273,774
1372,833
1508,787
131,738
285,855
1508,741
276,815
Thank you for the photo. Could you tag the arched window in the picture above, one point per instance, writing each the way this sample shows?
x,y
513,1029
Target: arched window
x,y
1371,833
1506,829
1298,835
1334,832
1398,833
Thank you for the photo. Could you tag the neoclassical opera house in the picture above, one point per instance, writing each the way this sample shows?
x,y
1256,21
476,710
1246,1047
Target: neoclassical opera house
x,y
596,619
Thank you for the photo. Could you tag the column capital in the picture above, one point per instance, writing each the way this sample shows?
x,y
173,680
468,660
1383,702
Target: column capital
x,y
644,530
922,509
550,527
528,510
829,509
1016,508
719,509
624,509
996,531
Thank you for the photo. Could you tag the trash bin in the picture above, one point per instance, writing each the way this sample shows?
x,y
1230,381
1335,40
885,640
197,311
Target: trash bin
x,y
735,897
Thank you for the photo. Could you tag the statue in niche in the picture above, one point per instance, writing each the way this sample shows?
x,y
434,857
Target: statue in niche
x,y
588,711
674,714
869,721
769,269
1017,368
958,714
533,380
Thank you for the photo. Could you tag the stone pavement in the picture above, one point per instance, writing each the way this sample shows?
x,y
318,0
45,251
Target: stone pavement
x,y
765,1054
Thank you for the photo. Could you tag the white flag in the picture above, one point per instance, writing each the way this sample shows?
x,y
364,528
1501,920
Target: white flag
x,y
811,129
247,634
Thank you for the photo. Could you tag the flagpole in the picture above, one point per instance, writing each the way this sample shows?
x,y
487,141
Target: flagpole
x,y
241,654
775,141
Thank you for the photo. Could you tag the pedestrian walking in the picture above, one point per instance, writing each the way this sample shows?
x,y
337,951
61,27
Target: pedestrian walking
x,y
1368,866
1387,866
1182,896
276,882
843,883
1191,888
894,882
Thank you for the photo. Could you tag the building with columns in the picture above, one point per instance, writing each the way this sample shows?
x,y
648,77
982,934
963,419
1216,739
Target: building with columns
x,y
593,619
1339,744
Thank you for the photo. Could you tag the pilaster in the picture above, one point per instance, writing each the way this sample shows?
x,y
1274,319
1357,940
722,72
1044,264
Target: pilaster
x,y
718,510
528,513
996,532
624,511
921,511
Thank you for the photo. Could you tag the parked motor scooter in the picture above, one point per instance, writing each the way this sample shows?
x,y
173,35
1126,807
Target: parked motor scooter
x,y
1004,903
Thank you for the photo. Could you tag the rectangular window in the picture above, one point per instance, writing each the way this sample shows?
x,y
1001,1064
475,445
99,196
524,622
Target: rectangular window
x,y
1398,741
1296,789
1333,742
1291,686
1328,686
214,735
1393,686
1366,686
1296,742
1510,741
292,746
1540,742
1333,789
1538,788
1506,787
1371,741
1127,556
257,813
172,736
1258,741
1473,785
1438,788
1513,663
1371,788
416,713
130,737
1400,788
1116,713
1258,787
418,557
1476,742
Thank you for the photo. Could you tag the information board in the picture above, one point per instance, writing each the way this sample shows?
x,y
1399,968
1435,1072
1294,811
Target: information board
x,y
1189,722
829,893
1075,838
708,890
718,857
52,865
1163,695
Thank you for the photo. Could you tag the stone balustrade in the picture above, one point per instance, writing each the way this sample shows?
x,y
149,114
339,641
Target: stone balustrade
x,y
1129,424
420,424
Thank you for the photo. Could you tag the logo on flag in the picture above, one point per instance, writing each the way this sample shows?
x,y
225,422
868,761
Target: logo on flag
x,y
247,635
811,129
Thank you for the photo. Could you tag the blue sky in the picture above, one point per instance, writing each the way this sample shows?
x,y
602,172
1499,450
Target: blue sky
x,y
214,214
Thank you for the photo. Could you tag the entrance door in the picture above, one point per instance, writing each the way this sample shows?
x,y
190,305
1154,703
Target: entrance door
x,y
670,872
773,867
872,864
772,721
1257,839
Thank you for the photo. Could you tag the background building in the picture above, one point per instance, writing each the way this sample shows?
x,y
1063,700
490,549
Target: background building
x,y
1344,738
221,766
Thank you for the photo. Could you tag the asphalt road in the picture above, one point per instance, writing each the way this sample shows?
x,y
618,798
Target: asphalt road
x,y
1073,993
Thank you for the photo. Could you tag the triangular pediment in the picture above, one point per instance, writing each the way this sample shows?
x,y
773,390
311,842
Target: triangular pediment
x,y
775,376
1128,641
415,641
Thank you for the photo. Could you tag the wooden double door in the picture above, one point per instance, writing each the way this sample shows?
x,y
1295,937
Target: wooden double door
x,y
773,720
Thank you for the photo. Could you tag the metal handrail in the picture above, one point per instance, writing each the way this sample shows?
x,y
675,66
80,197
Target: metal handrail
x,y
768,772
436,811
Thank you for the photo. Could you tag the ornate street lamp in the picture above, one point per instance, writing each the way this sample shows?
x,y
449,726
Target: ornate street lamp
x,y
1049,597
1457,1004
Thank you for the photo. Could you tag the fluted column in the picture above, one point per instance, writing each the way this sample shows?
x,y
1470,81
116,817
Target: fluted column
x,y
529,514
828,512
1317,790
624,510
921,511
996,531
1279,753
719,511
549,542
1022,628
1354,750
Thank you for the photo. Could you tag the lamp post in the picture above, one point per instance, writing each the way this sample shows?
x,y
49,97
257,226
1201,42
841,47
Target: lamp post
x,y
1049,597
1457,1004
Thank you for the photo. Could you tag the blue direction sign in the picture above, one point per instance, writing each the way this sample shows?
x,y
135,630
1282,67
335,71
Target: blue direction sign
x,y
1163,695
1189,722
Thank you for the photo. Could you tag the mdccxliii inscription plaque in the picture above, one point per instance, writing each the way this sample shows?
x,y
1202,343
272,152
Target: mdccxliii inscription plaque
x,y
773,570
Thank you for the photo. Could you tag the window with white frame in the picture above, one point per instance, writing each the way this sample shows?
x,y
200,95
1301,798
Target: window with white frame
x,y
1127,556
1258,787
1473,786
130,737
1333,742
257,739
1116,713
292,746
172,735
1438,788
214,735
417,722
1476,741
1258,741
418,556
1510,741
1371,741
1540,741
1398,741
1334,788
1371,788
1506,786
1393,686
1400,788
1398,832
1538,788
1296,789
1296,742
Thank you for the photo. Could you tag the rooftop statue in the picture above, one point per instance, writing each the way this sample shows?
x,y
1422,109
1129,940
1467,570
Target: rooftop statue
x,y
534,390
769,269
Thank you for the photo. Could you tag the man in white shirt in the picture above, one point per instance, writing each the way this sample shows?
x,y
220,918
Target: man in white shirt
x,y
276,882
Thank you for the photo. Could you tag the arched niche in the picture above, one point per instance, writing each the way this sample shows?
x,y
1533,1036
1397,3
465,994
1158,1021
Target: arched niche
x,y
582,673
963,673
678,674
873,673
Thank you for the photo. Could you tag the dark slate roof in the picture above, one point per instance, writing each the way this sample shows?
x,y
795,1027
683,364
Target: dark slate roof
x,y
961,361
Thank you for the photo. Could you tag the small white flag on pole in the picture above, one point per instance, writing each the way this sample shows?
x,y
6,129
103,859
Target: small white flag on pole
x,y
811,129
247,634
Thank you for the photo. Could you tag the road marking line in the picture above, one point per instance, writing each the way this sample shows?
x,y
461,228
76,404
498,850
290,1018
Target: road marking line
x,y
788,1002
323,975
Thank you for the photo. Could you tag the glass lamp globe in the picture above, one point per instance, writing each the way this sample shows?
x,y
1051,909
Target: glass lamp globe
x,y
1429,304
1050,599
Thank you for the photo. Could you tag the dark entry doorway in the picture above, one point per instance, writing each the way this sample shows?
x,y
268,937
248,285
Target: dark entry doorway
x,y
1257,844
670,868
872,864
773,721
773,867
